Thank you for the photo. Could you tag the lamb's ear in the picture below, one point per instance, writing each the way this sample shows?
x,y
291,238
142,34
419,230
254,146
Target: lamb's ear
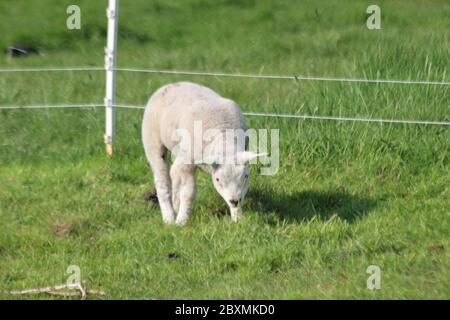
x,y
246,156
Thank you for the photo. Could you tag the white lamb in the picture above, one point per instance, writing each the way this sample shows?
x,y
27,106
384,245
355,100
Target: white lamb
x,y
174,113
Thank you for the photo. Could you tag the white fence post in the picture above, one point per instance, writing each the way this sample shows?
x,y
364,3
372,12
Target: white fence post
x,y
110,63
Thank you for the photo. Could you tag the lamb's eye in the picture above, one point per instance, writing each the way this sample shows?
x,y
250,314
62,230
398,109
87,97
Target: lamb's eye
x,y
246,176
217,179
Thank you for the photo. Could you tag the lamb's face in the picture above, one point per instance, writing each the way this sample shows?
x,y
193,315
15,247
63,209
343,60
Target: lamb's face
x,y
231,179
231,182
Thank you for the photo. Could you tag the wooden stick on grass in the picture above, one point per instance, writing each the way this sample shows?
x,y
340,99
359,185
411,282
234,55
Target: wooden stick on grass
x,y
56,291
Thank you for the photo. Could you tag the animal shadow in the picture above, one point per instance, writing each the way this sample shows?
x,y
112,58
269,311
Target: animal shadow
x,y
308,205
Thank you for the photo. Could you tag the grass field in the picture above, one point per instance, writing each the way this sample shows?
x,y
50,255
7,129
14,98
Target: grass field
x,y
346,196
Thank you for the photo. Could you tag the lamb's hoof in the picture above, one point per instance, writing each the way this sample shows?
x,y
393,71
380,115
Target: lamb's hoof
x,y
169,220
181,222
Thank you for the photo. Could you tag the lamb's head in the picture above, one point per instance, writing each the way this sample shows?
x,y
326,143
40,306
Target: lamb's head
x,y
230,179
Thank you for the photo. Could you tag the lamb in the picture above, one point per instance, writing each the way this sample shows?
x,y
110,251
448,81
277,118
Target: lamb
x,y
172,117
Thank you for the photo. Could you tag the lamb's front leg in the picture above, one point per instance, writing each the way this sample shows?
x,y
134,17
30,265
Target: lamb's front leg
x,y
163,187
185,176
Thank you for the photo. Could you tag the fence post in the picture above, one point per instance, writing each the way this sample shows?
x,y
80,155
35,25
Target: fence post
x,y
110,63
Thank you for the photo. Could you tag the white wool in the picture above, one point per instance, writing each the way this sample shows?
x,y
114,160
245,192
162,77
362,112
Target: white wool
x,y
178,107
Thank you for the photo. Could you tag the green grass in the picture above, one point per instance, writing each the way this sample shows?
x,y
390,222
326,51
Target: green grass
x,y
347,195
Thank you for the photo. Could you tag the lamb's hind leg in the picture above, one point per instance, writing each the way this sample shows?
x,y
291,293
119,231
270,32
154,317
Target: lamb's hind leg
x,y
184,174
161,176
